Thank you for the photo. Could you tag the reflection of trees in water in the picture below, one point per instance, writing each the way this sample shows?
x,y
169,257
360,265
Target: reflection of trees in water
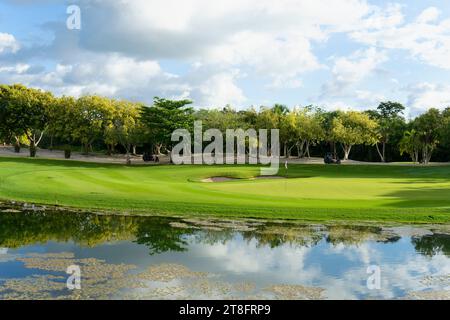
x,y
31,227
431,245
212,237
157,233
264,235
159,236
275,235
354,235
19,229
26,228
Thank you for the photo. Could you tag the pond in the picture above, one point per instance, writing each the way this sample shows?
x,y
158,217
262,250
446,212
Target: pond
x,y
132,257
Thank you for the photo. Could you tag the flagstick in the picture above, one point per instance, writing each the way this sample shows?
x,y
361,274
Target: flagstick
x,y
286,167
285,182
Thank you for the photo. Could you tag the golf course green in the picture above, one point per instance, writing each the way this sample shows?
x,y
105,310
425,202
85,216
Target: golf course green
x,y
416,194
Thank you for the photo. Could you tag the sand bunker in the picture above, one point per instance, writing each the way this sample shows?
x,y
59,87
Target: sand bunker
x,y
224,179
218,179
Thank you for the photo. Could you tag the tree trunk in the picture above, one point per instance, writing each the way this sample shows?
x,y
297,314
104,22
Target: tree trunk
x,y
158,149
347,149
415,156
17,145
67,153
32,149
425,154
290,150
307,150
34,142
134,150
300,151
430,152
128,148
86,148
381,154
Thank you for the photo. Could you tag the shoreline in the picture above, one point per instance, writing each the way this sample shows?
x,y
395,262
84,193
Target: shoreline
x,y
13,206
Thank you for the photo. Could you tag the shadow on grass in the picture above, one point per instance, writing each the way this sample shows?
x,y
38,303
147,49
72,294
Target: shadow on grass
x,y
61,163
420,174
295,170
421,198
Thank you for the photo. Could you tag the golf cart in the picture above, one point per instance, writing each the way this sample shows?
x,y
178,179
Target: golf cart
x,y
329,159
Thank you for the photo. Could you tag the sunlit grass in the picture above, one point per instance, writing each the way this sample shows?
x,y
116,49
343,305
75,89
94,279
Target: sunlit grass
x,y
313,192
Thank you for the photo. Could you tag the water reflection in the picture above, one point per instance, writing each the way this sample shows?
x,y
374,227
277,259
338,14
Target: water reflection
x,y
210,258
162,234
431,245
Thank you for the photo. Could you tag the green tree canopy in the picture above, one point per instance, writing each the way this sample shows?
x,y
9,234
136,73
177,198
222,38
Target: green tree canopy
x,y
429,128
93,114
61,119
391,124
163,118
125,127
410,144
24,111
351,128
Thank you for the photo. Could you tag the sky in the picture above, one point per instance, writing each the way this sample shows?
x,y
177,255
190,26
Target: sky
x,y
336,54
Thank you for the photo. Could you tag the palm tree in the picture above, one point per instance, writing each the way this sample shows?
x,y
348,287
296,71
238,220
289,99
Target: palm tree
x,y
410,144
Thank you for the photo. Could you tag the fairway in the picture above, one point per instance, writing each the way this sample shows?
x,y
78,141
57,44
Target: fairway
x,y
311,192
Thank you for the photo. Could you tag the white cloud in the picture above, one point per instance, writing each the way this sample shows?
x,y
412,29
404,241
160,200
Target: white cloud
x,y
17,68
8,43
274,39
116,76
425,95
220,90
354,100
368,99
166,26
110,75
391,16
281,58
124,45
346,89
426,38
348,71
430,14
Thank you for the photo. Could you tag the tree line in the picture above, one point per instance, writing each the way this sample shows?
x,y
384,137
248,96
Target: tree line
x,y
37,118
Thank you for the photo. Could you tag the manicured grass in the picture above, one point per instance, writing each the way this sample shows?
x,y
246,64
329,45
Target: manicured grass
x,y
311,192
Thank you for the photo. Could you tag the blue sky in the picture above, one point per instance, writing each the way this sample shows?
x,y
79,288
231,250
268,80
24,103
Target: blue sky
x,y
338,54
